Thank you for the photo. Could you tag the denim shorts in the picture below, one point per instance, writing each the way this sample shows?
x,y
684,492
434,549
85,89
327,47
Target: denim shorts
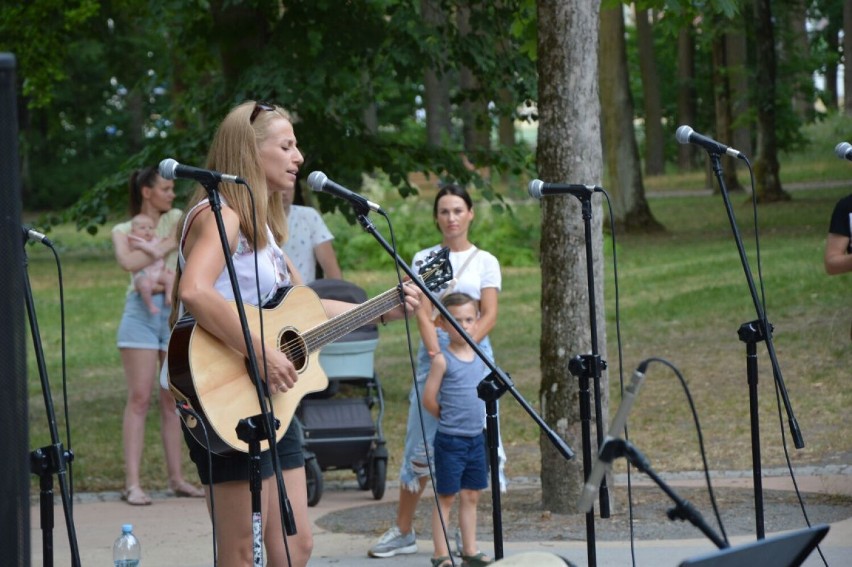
x,y
139,329
227,468
460,463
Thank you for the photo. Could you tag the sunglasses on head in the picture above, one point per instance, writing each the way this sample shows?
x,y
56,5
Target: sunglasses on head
x,y
258,106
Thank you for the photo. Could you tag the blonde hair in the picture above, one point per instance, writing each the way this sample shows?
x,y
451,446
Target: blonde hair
x,y
235,150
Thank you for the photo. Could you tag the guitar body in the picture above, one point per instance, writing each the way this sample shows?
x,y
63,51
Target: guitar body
x,y
214,379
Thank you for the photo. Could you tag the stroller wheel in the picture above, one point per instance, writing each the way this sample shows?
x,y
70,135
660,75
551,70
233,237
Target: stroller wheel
x,y
379,477
361,476
313,477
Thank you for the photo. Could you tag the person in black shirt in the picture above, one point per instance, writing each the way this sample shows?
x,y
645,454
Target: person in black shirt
x,y
838,247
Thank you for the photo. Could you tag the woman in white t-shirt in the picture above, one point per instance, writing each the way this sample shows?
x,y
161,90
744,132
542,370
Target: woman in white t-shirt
x,y
476,273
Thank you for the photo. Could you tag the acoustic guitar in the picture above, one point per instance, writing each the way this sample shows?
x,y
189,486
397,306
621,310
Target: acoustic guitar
x,y
214,378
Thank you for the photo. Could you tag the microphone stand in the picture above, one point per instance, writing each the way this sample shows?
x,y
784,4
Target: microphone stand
x,y
682,510
52,458
751,333
589,367
253,429
490,389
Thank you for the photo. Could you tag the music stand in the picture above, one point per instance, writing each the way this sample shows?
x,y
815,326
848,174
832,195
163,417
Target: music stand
x,y
785,550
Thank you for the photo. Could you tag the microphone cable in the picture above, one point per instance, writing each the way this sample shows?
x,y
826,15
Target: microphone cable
x,y
619,343
417,392
64,356
765,323
619,346
700,436
267,408
69,453
267,411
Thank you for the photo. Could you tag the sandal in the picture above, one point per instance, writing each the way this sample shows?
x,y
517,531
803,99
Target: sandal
x,y
442,561
477,560
184,489
135,496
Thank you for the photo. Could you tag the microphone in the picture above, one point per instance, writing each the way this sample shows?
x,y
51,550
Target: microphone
x,y
604,463
320,182
539,189
36,236
844,150
171,169
686,135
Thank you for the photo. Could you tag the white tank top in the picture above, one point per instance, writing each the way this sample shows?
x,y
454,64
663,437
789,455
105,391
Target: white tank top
x,y
272,272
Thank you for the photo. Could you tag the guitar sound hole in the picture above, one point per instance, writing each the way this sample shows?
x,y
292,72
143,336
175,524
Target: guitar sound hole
x,y
292,344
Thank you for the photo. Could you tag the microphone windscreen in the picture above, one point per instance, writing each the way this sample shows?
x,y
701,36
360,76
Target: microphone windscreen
x,y
682,134
317,180
535,188
167,168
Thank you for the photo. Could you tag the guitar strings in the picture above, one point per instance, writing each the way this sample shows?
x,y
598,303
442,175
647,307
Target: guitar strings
x,y
346,322
340,325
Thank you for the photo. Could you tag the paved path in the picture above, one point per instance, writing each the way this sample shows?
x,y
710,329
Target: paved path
x,y
176,532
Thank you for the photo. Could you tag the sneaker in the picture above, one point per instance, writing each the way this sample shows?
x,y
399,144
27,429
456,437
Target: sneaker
x,y
393,542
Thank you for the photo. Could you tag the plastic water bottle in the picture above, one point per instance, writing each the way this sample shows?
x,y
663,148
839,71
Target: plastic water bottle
x,y
126,551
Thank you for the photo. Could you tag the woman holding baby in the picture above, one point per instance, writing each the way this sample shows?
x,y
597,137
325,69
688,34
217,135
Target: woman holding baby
x,y
143,333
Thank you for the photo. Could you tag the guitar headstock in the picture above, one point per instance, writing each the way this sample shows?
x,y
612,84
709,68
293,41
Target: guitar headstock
x,y
437,271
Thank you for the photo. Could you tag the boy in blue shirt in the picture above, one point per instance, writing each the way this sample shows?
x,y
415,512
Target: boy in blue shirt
x,y
460,461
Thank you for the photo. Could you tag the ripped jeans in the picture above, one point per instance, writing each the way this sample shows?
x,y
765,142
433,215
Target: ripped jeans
x,y
414,461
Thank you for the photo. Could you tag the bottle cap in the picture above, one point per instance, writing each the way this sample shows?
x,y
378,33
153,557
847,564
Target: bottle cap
x,y
126,528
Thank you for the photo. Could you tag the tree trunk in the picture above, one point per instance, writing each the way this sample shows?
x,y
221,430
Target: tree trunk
x,y
766,167
736,51
569,150
371,109
506,131
436,85
506,126
624,175
847,51
722,104
136,111
800,51
654,155
476,126
686,153
237,50
830,98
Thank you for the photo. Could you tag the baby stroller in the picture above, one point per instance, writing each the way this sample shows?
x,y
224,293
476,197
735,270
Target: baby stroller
x,y
339,431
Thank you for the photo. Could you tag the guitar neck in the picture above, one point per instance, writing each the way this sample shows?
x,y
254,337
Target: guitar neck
x,y
345,323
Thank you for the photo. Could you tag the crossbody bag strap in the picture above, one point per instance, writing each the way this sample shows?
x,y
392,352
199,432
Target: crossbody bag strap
x,y
457,275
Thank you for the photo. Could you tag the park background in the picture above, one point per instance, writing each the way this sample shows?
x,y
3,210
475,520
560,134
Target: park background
x,y
682,297
102,94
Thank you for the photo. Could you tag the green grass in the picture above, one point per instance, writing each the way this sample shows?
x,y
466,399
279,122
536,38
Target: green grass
x,y
683,297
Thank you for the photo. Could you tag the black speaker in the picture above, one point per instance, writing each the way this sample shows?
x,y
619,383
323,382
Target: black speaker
x,y
14,433
789,549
